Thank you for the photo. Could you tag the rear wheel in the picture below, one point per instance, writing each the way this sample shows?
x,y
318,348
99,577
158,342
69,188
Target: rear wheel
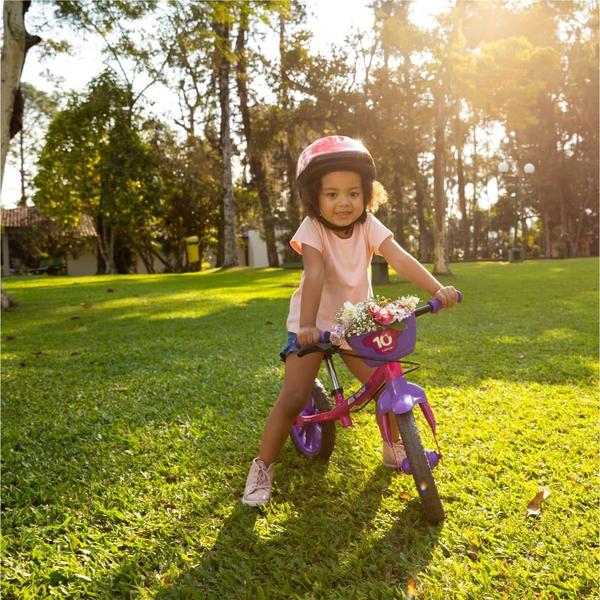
x,y
421,471
315,440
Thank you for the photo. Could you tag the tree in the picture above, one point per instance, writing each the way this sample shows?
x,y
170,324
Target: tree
x,y
17,42
94,162
253,144
221,20
39,108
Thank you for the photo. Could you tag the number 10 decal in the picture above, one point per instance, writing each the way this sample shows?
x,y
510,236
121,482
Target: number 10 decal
x,y
383,341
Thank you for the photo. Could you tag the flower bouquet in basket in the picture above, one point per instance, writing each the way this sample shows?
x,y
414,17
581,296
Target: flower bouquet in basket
x,y
377,329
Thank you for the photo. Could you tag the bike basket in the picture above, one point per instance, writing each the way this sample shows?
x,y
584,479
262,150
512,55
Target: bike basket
x,y
377,347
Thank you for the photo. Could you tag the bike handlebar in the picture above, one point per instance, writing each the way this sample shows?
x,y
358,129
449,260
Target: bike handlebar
x,y
433,306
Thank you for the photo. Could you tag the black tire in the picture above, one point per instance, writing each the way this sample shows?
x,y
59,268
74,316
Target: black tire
x,y
421,471
326,440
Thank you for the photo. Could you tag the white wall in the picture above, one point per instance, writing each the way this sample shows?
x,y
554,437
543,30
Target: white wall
x,y
257,249
84,264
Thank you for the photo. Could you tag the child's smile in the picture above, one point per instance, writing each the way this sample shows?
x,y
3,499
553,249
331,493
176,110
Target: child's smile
x,y
341,199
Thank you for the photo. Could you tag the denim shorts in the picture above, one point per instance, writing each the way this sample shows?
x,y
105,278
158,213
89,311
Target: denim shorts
x,y
289,347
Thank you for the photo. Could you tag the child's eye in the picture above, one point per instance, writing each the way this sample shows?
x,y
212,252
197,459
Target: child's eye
x,y
355,194
331,195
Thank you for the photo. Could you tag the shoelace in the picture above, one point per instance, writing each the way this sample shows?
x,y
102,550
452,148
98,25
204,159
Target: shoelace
x,y
262,478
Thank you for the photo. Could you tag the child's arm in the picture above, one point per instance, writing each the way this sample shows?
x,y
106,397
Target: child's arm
x,y
410,268
314,276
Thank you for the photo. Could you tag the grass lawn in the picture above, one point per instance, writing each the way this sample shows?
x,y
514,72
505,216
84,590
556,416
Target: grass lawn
x,y
132,406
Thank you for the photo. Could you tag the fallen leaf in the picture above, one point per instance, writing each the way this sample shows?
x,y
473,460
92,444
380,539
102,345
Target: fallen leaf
x,y
411,587
120,389
520,356
473,552
87,305
535,506
109,290
405,496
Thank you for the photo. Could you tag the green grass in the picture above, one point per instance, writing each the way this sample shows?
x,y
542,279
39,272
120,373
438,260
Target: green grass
x,y
129,425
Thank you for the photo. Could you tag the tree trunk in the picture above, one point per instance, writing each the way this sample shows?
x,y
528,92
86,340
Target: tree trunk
x,y
230,255
546,232
106,246
257,170
462,203
440,266
473,246
424,238
399,206
288,148
23,199
15,45
14,50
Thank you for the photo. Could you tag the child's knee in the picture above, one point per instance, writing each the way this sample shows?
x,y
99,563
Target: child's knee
x,y
291,403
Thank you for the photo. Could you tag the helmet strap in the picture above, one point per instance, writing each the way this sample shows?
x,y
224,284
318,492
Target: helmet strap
x,y
345,228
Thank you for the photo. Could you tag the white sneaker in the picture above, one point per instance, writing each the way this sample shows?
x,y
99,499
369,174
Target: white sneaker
x,y
258,484
393,454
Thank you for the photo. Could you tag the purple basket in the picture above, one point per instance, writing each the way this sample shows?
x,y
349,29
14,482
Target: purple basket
x,y
382,345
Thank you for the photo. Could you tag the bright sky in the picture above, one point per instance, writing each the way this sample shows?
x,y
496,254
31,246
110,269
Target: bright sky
x,y
332,21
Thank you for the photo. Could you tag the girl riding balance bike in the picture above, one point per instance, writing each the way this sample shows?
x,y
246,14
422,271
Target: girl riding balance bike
x,y
336,178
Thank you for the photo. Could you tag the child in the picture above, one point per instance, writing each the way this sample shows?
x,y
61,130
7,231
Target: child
x,y
336,178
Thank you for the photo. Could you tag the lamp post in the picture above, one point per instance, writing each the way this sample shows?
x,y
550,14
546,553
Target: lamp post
x,y
528,170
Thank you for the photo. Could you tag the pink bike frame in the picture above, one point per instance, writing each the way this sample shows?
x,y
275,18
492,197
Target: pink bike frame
x,y
398,397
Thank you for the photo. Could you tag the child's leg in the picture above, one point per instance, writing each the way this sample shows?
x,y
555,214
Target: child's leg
x,y
359,368
300,374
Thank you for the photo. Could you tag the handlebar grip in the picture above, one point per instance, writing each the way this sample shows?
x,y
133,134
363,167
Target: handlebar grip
x,y
324,338
436,305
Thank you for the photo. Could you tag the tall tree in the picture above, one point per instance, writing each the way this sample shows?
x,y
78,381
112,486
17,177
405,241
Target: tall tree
x,y
221,20
253,149
39,108
95,163
17,42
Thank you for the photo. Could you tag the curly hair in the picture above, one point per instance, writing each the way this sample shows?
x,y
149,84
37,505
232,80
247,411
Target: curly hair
x,y
373,192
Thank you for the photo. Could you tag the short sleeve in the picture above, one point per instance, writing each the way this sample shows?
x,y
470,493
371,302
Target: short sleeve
x,y
377,233
308,233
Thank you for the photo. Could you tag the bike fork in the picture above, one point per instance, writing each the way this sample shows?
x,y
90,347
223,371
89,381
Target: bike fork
x,y
401,398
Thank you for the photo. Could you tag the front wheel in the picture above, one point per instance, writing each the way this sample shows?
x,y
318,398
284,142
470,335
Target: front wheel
x,y
421,471
315,440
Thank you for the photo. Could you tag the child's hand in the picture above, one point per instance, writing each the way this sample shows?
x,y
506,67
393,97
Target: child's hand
x,y
448,296
307,335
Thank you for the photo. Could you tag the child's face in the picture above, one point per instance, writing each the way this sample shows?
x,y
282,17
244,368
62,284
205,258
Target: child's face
x,y
341,198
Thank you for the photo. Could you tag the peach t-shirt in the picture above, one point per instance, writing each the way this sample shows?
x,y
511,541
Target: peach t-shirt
x,y
347,262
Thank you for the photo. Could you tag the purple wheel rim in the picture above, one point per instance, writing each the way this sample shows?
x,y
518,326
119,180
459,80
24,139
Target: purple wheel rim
x,y
308,437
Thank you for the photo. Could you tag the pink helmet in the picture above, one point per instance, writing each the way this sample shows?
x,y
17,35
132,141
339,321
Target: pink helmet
x,y
333,153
